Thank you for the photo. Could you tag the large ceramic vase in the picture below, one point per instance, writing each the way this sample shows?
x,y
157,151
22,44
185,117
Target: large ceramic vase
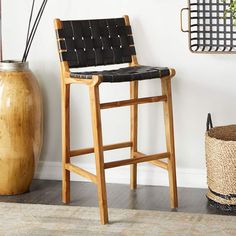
x,y
20,127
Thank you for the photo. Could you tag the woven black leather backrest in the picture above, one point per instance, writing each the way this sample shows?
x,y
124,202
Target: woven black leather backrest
x,y
95,42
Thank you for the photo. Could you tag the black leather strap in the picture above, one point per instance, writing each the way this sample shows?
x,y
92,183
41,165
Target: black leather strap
x,y
126,74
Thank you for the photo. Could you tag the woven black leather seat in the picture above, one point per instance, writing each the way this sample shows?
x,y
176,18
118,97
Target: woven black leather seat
x,y
126,74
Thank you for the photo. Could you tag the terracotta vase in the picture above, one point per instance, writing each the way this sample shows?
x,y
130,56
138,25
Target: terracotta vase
x,y
20,127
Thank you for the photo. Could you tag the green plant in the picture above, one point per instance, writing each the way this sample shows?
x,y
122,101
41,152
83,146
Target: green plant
x,y
231,9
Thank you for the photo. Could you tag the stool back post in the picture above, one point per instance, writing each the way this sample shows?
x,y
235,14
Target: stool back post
x,y
133,120
65,71
134,57
65,111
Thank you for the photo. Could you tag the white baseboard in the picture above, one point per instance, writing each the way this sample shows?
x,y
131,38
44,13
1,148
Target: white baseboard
x,y
147,175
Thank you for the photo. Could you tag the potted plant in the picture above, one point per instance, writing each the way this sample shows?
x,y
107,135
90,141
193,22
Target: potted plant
x,y
231,10
21,116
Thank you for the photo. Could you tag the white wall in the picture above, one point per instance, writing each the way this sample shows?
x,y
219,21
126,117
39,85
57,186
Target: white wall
x,y
204,83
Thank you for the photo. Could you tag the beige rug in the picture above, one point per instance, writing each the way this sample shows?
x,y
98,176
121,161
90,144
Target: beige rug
x,y
43,220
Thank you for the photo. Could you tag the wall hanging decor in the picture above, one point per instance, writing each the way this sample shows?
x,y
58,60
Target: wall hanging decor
x,y
221,165
21,117
211,26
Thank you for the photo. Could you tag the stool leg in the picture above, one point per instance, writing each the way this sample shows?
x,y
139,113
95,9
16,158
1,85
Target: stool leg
x,y
98,149
65,143
133,132
169,127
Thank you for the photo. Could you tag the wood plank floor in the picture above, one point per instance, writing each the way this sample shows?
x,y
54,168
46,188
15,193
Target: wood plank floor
x,y
119,196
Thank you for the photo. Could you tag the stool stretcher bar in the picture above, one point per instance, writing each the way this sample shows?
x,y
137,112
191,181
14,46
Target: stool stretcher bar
x,y
82,172
158,163
136,160
131,102
105,148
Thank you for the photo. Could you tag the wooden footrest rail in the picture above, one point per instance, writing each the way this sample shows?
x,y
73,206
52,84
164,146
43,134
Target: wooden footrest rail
x,y
133,102
158,163
105,148
136,160
81,172
139,158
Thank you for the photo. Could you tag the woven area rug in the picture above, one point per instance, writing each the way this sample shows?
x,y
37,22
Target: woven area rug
x,y
45,220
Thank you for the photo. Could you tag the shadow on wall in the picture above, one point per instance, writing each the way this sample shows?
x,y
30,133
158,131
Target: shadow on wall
x,y
190,127
51,91
142,38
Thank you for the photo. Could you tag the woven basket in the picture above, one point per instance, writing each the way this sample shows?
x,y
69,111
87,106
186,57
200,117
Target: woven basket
x,y
221,166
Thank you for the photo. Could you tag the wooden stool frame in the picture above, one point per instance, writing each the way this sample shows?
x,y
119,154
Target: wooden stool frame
x,y
99,148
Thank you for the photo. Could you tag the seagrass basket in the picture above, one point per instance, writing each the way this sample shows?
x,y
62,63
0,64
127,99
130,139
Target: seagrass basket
x,y
221,166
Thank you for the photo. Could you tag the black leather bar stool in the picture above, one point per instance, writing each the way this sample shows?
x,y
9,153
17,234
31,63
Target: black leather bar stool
x,y
85,43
